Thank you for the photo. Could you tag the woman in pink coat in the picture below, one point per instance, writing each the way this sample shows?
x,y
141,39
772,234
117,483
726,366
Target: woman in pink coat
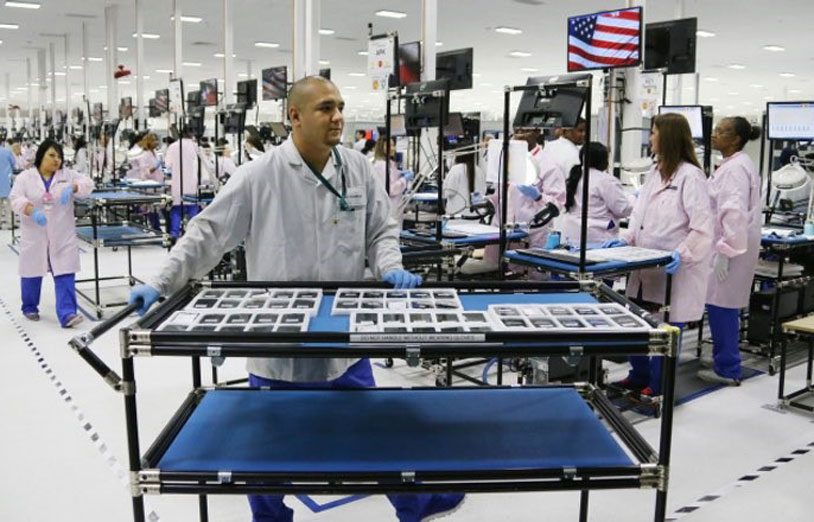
x,y
399,180
146,166
735,193
672,213
43,198
608,203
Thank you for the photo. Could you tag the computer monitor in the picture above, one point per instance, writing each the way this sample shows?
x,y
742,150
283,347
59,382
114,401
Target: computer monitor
x,y
397,125
98,113
790,120
162,100
275,83
325,73
152,109
247,93
605,40
670,46
454,126
408,65
693,114
455,66
209,92
78,115
126,107
553,105
235,119
423,109
195,120
278,128
193,99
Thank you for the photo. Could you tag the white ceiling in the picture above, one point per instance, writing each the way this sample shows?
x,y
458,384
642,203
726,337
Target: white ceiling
x,y
742,28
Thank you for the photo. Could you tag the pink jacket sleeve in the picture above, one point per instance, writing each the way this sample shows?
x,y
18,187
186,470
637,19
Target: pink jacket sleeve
x,y
84,185
733,210
17,195
397,185
695,198
629,235
551,185
616,199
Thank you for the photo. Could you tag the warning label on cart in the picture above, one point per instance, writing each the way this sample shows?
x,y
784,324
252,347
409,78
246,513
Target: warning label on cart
x,y
417,338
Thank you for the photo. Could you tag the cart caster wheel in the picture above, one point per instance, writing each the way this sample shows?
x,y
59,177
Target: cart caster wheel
x,y
772,371
115,249
441,382
388,362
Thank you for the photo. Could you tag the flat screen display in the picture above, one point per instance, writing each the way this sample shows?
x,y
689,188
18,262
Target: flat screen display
x,y
455,66
209,92
670,46
162,100
397,125
409,65
153,110
126,107
325,73
556,107
98,113
247,93
791,120
275,81
193,99
694,115
605,40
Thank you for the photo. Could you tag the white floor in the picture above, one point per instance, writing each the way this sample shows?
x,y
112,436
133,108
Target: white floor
x,y
63,451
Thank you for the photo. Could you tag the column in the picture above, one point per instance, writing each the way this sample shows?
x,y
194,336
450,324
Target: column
x,y
228,51
140,116
111,60
429,35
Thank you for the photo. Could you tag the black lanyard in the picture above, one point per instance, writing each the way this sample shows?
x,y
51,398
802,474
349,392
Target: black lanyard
x,y
343,202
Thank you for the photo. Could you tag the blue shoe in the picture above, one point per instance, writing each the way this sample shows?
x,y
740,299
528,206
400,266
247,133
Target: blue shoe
x,y
442,505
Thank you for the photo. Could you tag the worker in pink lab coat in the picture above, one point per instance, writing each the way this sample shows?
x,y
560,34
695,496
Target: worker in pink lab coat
x,y
608,203
399,179
736,204
146,166
672,213
43,198
188,163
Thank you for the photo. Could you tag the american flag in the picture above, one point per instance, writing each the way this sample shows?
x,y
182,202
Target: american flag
x,y
604,40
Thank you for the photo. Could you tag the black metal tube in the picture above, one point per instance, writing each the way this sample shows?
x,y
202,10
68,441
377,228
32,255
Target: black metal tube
x,y
586,170
503,188
131,421
583,505
387,147
775,326
440,206
781,381
666,436
633,440
94,226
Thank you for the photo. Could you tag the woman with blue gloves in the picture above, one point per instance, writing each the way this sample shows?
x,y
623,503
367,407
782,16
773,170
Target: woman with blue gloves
x,y
671,213
43,198
735,194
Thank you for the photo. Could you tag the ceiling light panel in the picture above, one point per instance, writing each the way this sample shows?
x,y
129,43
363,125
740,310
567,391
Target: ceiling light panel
x,y
508,30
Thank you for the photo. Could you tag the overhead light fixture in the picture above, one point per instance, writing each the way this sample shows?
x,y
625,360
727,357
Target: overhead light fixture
x,y
148,36
485,85
508,30
94,91
192,64
189,19
736,66
385,13
362,53
122,49
324,62
733,93
326,32
95,59
75,67
756,86
59,73
774,48
351,87
23,5
221,55
768,98
164,71
795,91
704,34
528,69
439,44
9,26
103,86
519,54
710,79
267,45
124,82
242,75
787,75
356,74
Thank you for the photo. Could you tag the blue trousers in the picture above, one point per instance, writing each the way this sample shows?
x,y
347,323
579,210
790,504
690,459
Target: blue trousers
x,y
270,508
64,287
154,220
725,326
175,217
646,370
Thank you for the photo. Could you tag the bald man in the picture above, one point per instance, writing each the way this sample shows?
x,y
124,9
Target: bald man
x,y
307,211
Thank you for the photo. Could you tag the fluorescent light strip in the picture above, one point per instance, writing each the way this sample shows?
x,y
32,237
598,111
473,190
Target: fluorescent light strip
x,y
189,19
9,26
192,64
704,34
164,71
362,53
122,49
519,54
508,30
267,45
326,32
95,59
787,75
390,14
221,55
774,48
23,5
736,66
356,74
148,36
324,62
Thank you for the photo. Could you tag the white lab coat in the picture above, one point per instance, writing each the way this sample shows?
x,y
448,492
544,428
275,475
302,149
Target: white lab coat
x,y
209,176
608,203
456,189
563,152
146,167
734,191
359,145
56,242
188,163
81,161
293,231
397,187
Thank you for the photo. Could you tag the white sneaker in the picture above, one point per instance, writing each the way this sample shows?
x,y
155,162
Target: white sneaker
x,y
73,320
711,376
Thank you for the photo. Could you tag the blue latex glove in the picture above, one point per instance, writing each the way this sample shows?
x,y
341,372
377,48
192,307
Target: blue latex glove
x,y
145,294
39,217
408,175
530,191
65,197
402,279
613,243
674,265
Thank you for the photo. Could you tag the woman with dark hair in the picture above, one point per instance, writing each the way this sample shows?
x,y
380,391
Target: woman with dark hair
x,y
253,148
81,160
399,180
464,178
672,213
734,190
607,201
144,163
43,198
